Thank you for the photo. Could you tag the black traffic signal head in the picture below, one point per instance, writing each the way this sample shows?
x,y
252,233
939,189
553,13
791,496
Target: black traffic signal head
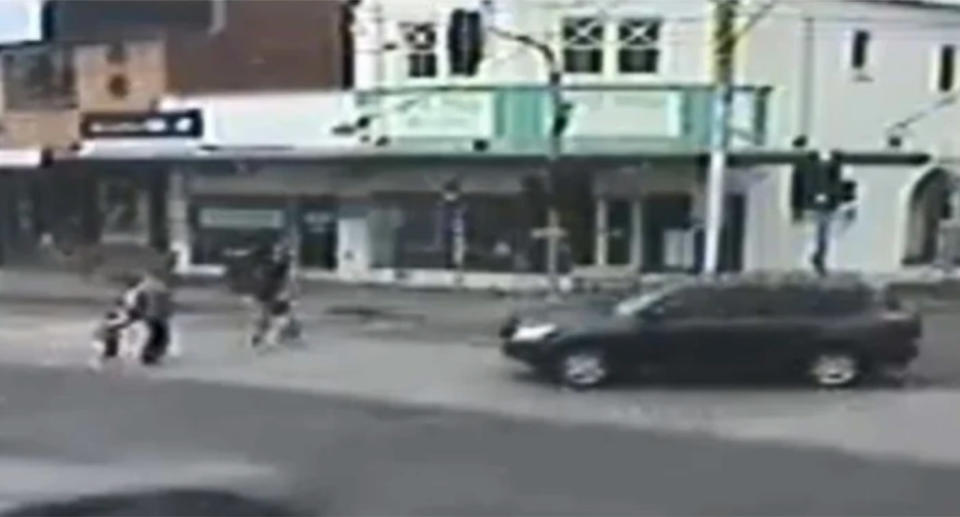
x,y
452,189
848,191
562,120
465,40
819,184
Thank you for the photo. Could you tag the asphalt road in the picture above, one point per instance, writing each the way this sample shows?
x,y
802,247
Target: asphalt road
x,y
164,444
284,453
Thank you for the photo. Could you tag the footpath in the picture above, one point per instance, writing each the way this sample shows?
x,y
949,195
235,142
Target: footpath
x,y
441,309
451,310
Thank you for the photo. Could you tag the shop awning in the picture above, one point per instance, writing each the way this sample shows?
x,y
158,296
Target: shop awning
x,y
378,157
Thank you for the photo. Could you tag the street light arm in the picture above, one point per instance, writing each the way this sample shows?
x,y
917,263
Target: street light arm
x,y
754,19
544,49
903,125
554,226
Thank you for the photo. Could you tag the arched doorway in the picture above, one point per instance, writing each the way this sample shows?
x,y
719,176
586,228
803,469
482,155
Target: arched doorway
x,y
929,206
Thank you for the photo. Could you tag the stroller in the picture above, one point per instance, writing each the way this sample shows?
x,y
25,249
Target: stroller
x,y
285,324
108,333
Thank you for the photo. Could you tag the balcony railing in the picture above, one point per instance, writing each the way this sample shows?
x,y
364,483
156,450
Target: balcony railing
x,y
604,119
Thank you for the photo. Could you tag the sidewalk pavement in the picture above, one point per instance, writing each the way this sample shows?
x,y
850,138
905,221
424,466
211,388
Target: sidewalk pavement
x,y
59,288
435,308
452,312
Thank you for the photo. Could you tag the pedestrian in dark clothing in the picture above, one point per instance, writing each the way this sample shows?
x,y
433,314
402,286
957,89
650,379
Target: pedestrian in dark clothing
x,y
155,307
272,272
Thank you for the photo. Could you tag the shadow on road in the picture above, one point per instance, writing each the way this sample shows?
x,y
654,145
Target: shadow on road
x,y
157,503
720,382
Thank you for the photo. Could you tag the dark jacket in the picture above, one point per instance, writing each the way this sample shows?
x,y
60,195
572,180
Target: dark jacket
x,y
272,279
154,300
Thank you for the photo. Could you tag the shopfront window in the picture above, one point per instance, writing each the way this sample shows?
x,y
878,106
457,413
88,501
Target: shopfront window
x,y
416,231
218,226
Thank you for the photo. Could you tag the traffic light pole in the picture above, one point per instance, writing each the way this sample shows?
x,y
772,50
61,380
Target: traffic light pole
x,y
725,13
826,198
554,229
822,242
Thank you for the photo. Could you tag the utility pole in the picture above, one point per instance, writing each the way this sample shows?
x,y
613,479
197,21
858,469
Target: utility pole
x,y
726,36
554,228
553,233
725,16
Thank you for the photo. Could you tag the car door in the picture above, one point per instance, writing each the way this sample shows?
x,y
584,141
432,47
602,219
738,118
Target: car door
x,y
674,331
723,333
787,322
759,319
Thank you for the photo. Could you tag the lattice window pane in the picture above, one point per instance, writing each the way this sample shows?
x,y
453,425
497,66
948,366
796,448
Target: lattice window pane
x,y
582,45
638,45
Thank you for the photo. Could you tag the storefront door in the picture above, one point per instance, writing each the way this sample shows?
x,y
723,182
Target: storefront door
x,y
619,231
318,234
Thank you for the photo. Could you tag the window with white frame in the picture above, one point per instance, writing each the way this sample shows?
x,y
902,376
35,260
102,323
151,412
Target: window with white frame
x,y
582,39
420,42
638,45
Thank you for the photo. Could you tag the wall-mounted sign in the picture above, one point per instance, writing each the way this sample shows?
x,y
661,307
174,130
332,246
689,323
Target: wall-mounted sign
x,y
442,115
241,219
642,113
172,124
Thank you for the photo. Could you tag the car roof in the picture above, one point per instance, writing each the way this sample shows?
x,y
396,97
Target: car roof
x,y
782,279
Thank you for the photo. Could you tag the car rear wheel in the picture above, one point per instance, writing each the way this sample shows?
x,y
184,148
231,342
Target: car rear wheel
x,y
834,369
583,368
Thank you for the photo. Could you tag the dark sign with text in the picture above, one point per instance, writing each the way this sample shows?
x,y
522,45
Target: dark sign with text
x,y
171,124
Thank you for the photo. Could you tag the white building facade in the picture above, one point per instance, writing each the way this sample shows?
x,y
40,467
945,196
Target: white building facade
x,y
844,75
857,76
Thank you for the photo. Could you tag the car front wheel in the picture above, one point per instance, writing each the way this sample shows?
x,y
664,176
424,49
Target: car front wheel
x,y
583,368
834,369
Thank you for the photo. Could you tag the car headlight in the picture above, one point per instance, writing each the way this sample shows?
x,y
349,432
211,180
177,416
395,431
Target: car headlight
x,y
530,333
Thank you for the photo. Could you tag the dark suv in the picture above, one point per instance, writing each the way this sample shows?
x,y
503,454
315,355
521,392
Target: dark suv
x,y
832,331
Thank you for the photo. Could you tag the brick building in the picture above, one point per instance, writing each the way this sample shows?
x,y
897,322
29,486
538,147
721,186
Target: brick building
x,y
122,57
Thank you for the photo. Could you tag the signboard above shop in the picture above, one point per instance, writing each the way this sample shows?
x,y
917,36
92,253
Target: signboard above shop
x,y
134,125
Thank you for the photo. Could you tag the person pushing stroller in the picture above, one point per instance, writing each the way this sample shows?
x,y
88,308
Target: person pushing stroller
x,y
146,300
273,297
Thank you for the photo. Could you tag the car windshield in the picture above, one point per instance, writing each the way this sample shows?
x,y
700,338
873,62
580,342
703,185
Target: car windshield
x,y
634,304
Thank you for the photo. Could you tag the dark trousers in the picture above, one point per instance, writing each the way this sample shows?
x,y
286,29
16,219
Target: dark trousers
x,y
111,343
158,339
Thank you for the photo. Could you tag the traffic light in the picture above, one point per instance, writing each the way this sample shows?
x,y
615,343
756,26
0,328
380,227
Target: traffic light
x,y
819,184
806,183
465,42
451,190
839,191
562,120
848,191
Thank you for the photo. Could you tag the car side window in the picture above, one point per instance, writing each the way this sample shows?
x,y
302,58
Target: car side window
x,y
741,301
843,301
692,302
790,301
815,301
